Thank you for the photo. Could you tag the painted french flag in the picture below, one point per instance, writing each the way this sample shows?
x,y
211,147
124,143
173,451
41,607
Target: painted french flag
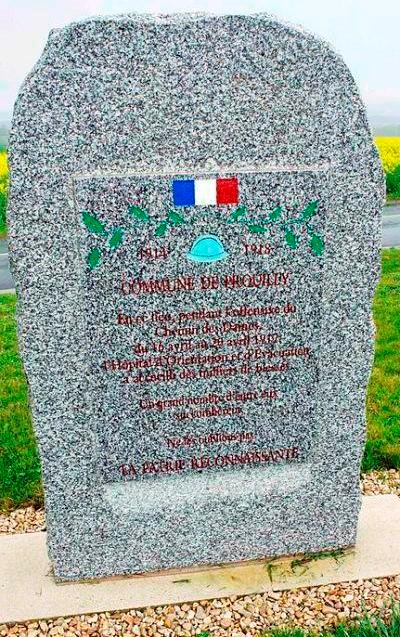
x,y
206,192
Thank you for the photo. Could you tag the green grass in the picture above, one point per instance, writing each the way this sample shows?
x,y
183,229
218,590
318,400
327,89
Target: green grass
x,y
19,464
383,403
3,227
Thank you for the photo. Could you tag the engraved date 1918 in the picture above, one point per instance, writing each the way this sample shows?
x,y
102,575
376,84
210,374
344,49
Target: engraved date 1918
x,y
260,249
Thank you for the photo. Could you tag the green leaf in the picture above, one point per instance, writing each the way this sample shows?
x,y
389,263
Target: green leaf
x,y
317,245
139,213
276,214
291,239
238,213
94,258
116,239
92,223
256,229
175,218
310,210
161,229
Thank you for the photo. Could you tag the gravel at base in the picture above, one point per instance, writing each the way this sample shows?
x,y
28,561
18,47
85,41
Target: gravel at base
x,y
310,608
26,520
381,482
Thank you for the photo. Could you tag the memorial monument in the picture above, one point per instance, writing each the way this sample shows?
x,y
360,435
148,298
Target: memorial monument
x,y
195,232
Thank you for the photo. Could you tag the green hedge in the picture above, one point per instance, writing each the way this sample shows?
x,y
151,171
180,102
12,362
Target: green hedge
x,y
393,183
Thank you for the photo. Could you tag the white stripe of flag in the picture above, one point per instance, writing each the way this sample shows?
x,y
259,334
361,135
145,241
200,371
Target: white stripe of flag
x,y
205,192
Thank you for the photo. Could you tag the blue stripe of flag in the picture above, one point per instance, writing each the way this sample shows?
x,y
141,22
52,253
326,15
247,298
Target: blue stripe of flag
x,y
183,192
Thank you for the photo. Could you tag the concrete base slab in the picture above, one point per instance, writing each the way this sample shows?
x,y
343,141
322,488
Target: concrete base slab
x,y
28,589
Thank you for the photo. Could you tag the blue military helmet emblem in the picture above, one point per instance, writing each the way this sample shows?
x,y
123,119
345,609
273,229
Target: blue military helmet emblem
x,y
206,249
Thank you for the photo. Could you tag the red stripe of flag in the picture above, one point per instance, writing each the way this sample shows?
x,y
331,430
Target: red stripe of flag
x,y
227,191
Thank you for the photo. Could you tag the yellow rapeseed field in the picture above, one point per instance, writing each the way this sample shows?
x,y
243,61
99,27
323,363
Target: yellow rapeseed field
x,y
3,191
389,151
3,173
3,166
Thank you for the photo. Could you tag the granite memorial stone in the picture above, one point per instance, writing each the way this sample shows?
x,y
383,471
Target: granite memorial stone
x,y
194,232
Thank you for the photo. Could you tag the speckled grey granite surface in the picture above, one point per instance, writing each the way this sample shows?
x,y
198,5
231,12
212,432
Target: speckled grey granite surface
x,y
113,112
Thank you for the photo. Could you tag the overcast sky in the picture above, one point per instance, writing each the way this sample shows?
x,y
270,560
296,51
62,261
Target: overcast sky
x,y
366,32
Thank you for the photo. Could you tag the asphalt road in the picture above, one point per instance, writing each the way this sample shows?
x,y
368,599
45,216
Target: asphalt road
x,y
6,281
391,226
390,237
